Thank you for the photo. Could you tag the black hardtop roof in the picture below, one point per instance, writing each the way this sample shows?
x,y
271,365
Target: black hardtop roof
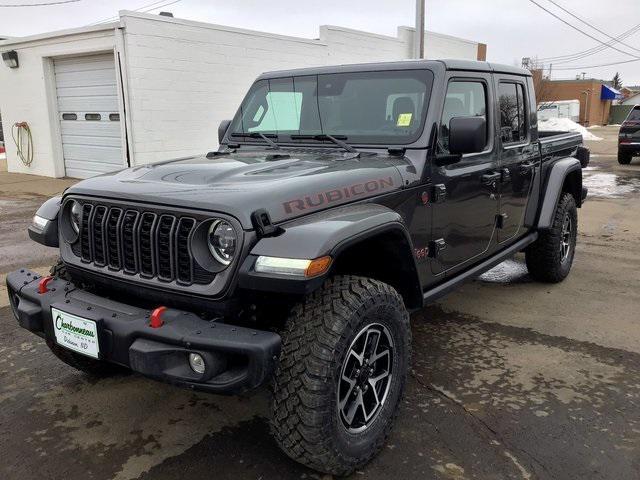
x,y
448,64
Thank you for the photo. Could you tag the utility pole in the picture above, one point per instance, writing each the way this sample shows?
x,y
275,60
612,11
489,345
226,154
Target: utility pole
x,y
418,44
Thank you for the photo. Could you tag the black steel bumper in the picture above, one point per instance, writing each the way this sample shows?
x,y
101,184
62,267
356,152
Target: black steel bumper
x,y
237,358
633,148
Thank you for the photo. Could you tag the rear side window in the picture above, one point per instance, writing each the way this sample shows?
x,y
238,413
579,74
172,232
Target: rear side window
x,y
465,98
513,112
634,115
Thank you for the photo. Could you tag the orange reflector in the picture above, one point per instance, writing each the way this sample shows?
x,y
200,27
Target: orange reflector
x,y
155,320
42,284
318,266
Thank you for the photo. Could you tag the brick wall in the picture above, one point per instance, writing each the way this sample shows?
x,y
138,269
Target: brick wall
x,y
593,111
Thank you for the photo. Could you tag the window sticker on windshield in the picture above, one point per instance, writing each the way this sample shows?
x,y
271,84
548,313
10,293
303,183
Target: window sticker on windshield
x,y
404,119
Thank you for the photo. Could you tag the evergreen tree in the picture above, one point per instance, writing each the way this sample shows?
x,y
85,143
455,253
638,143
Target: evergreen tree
x,y
617,81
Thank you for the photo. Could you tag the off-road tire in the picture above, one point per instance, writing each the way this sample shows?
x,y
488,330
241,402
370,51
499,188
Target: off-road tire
x,y
319,333
90,366
624,158
544,257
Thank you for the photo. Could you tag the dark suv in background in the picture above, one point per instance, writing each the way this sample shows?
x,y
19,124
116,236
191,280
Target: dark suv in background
x,y
629,137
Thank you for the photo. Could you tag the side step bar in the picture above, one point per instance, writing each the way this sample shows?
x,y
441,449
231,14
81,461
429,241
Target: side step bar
x,y
445,287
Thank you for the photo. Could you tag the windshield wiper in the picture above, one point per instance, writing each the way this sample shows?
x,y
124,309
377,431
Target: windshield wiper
x,y
337,140
261,135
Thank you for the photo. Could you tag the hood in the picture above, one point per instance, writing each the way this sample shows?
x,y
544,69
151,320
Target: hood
x,y
286,184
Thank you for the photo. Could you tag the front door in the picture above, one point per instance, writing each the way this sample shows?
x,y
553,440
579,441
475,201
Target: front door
x,y
518,155
464,215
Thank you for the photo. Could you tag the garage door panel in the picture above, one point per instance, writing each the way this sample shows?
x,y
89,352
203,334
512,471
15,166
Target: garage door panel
x,y
93,153
91,145
88,104
86,91
97,141
90,129
101,62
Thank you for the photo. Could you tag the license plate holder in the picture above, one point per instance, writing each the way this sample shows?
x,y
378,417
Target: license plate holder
x,y
76,333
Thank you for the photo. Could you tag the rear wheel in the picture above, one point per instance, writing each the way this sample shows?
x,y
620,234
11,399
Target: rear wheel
x,y
550,257
624,158
342,371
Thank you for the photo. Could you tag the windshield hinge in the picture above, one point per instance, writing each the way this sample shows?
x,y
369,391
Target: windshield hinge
x,y
396,151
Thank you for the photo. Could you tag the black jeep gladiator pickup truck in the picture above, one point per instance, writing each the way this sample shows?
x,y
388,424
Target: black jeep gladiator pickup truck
x,y
340,199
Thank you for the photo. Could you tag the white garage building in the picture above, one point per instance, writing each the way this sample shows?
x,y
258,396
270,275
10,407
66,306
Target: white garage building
x,y
148,87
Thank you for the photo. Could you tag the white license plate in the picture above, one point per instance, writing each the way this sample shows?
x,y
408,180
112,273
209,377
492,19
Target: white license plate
x,y
75,333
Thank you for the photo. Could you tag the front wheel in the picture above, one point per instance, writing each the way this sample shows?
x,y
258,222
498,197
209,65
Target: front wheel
x,y
342,372
550,257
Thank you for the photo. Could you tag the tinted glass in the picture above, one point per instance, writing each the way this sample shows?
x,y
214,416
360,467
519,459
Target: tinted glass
x,y
366,107
512,103
634,115
463,99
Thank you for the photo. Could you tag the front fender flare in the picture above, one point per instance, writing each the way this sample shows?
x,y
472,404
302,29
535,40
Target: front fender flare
x,y
49,235
317,235
556,178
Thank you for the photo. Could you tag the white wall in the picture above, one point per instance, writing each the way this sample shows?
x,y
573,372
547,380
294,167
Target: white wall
x,y
181,78
25,97
185,77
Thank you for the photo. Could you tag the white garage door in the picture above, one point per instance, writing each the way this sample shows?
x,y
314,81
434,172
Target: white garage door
x,y
88,112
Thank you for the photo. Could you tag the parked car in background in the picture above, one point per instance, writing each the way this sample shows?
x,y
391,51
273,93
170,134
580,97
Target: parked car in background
x,y
340,199
629,137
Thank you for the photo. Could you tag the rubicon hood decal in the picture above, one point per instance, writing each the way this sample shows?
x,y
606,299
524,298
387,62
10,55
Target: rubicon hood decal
x,y
240,183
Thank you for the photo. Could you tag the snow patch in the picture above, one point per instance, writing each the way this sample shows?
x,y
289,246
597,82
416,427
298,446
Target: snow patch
x,y
566,125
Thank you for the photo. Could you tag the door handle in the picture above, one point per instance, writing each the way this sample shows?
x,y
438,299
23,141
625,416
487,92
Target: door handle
x,y
528,166
490,179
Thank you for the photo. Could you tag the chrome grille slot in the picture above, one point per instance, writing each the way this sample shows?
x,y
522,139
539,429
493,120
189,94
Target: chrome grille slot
x,y
137,241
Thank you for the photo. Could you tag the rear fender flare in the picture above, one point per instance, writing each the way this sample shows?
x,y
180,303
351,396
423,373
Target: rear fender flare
x,y
565,171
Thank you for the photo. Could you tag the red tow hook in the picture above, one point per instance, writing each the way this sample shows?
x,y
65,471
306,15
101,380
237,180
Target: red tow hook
x,y
42,284
155,320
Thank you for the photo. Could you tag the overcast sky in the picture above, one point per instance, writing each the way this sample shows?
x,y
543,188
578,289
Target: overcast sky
x,y
512,29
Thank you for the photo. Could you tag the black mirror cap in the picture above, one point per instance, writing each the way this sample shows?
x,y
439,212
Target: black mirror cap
x,y
467,135
222,129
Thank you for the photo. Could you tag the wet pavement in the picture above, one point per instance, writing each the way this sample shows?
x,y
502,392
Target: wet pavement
x,y
510,379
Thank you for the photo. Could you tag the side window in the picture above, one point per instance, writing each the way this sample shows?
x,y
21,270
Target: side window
x,y
465,98
513,113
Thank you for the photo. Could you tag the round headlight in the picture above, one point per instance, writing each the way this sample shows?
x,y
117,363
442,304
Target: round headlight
x,y
76,213
222,241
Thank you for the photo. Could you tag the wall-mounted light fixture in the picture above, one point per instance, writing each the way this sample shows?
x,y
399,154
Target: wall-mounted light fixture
x,y
10,59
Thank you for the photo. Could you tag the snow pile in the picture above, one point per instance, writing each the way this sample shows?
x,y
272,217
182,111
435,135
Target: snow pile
x,y
566,125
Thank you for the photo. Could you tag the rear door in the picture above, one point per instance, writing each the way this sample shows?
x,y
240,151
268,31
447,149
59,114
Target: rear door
x,y
464,215
518,154
89,115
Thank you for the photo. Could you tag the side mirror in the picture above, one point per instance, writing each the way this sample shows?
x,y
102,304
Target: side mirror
x,y
467,135
222,129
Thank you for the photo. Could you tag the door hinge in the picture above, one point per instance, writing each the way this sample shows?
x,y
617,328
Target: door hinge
x,y
436,246
439,193
501,220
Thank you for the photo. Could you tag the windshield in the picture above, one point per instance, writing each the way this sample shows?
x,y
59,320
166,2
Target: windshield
x,y
384,107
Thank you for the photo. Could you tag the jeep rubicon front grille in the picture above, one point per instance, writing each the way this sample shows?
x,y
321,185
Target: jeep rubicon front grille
x,y
138,242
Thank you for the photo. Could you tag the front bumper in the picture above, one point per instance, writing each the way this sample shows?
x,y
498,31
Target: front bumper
x,y
237,358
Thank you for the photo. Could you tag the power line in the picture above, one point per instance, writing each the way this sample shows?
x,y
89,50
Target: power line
x,y
18,5
591,51
143,9
584,67
592,26
582,31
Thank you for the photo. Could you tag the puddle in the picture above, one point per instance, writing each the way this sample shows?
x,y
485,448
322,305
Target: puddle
x,y
609,185
509,271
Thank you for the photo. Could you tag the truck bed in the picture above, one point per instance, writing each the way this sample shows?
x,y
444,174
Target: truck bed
x,y
555,143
